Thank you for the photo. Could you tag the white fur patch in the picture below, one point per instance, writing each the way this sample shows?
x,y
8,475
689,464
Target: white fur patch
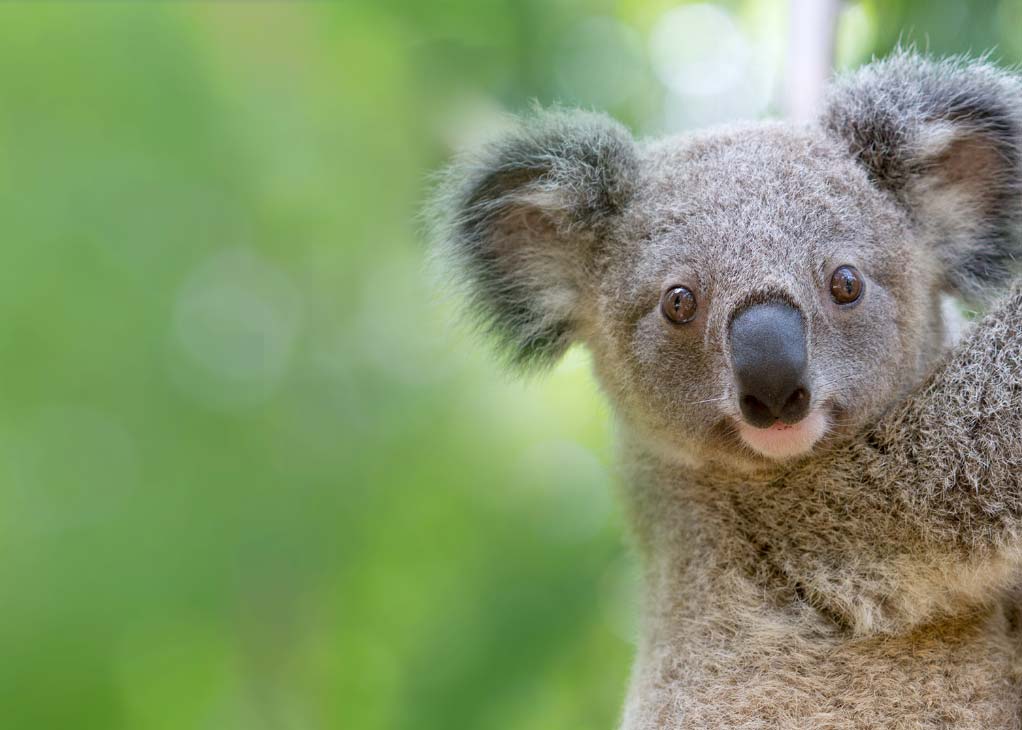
x,y
781,441
955,324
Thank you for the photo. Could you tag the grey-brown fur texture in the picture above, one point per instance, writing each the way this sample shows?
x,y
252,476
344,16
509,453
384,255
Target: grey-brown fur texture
x,y
863,570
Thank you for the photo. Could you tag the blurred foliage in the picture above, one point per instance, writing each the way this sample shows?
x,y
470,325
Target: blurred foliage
x,y
251,475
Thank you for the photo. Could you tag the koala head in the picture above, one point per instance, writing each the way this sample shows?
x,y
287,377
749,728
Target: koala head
x,y
751,293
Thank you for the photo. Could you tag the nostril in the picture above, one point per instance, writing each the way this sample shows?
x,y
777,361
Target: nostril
x,y
763,413
756,411
796,406
798,396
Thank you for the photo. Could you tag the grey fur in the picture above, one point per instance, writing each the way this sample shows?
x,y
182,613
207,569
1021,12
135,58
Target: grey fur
x,y
868,578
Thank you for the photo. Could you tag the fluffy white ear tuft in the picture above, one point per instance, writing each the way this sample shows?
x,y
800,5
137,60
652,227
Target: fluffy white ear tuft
x,y
523,221
944,137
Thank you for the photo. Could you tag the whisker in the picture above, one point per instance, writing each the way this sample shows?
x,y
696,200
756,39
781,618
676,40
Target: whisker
x,y
710,400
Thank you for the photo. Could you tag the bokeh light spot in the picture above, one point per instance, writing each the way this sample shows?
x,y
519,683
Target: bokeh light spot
x,y
600,63
235,323
697,50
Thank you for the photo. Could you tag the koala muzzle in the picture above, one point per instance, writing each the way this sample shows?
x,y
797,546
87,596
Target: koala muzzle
x,y
769,361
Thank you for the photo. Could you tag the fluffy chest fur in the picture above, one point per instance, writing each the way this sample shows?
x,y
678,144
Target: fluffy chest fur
x,y
736,636
740,661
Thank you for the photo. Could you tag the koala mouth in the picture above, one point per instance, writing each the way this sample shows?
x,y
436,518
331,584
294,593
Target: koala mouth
x,y
783,441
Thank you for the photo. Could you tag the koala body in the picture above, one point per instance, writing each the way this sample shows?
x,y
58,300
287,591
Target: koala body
x,y
828,502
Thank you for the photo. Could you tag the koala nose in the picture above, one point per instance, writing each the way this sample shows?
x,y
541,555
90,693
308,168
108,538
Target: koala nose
x,y
769,360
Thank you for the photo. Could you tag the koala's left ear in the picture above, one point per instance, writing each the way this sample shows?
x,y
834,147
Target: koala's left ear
x,y
945,138
524,224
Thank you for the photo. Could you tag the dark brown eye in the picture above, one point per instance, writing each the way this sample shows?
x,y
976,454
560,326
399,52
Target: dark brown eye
x,y
846,285
678,305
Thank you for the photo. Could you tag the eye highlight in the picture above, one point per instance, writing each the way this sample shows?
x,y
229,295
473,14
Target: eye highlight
x,y
846,285
678,305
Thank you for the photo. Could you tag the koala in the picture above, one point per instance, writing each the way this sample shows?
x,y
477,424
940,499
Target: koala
x,y
824,488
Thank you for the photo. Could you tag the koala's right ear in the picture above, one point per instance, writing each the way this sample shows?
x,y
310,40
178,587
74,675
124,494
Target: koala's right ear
x,y
524,224
945,139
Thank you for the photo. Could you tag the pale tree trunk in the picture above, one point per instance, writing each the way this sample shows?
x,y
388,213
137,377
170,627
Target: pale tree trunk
x,y
813,26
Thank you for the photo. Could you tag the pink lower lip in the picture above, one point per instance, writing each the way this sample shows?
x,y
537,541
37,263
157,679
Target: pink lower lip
x,y
782,440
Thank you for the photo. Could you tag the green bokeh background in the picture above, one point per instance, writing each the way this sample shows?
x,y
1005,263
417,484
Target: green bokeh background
x,y
251,476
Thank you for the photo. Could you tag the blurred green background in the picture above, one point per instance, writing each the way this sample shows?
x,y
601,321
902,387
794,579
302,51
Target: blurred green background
x,y
251,476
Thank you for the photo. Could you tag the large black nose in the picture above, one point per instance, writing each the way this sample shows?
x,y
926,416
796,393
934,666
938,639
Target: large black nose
x,y
768,356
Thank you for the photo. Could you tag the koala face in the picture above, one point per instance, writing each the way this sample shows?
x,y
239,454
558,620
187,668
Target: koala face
x,y
758,294
751,293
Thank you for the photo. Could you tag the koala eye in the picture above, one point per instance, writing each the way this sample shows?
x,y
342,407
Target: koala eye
x,y
678,305
846,285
